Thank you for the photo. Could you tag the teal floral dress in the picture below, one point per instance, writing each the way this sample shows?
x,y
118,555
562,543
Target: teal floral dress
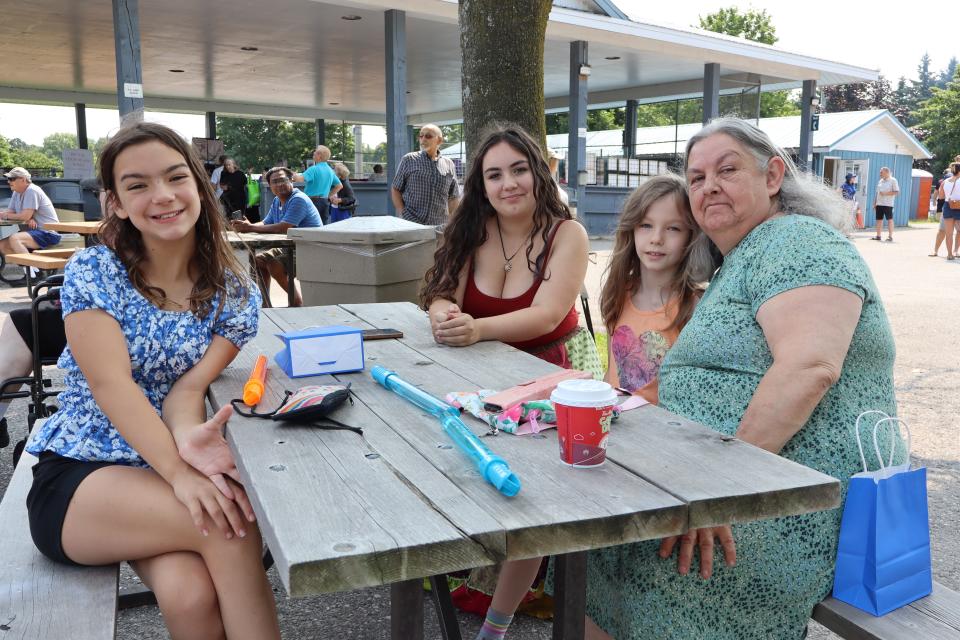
x,y
784,566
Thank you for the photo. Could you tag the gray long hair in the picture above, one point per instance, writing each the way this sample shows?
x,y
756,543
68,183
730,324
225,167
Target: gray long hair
x,y
801,193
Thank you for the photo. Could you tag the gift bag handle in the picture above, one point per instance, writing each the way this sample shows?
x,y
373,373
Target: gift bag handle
x,y
893,441
856,428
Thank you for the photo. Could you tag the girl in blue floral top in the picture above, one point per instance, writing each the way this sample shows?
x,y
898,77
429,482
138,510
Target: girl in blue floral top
x,y
129,468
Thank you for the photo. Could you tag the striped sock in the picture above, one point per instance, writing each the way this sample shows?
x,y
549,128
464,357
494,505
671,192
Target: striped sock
x,y
495,626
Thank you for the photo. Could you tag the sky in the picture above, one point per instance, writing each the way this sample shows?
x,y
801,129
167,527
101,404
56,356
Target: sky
x,y
861,34
889,37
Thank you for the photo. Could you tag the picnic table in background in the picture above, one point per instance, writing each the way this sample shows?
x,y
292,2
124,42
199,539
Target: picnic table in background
x,y
340,511
87,228
41,259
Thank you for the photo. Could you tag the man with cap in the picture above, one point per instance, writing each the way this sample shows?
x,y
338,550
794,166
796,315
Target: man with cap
x,y
425,188
32,208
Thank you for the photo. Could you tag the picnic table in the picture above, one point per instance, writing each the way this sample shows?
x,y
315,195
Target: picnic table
x,y
253,242
340,511
87,228
41,259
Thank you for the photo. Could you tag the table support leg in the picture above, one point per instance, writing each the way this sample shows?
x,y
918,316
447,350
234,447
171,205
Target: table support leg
x,y
570,596
291,278
446,614
406,610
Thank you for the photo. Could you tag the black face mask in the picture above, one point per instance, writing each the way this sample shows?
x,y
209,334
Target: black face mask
x,y
307,404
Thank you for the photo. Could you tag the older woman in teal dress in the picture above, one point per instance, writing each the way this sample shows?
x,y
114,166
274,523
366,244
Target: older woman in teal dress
x,y
788,345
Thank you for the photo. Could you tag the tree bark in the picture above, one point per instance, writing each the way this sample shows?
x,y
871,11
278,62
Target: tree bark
x,y
501,46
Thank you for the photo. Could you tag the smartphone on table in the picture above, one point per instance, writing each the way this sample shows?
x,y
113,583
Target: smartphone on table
x,y
381,334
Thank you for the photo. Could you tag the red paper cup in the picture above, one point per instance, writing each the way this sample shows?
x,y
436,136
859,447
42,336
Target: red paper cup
x,y
584,410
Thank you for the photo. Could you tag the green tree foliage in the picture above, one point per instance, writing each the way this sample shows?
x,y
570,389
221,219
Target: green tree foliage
x,y
6,153
939,122
55,143
904,103
947,74
881,94
17,153
265,143
750,24
775,104
756,26
846,97
925,80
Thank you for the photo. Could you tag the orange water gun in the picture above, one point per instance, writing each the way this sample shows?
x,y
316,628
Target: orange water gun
x,y
253,388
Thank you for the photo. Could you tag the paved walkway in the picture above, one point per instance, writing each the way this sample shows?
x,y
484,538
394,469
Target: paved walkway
x,y
921,296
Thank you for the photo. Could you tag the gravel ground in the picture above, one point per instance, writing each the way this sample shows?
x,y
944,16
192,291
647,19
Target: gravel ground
x,y
920,294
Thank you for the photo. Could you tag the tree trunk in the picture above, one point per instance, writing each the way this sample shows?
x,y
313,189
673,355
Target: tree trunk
x,y
501,46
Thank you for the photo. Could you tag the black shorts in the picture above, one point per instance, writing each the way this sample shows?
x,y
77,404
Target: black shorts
x,y
884,211
940,205
55,479
50,323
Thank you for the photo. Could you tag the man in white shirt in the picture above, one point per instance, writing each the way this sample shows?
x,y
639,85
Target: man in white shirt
x,y
887,190
215,176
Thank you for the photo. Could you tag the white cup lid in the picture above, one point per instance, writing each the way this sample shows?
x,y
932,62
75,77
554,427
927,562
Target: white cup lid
x,y
584,393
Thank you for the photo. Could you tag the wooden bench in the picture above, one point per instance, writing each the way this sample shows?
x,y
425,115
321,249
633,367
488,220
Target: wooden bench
x,y
936,617
37,260
40,598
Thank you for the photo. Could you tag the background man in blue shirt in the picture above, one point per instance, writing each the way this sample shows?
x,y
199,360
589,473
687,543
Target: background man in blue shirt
x,y
321,184
291,208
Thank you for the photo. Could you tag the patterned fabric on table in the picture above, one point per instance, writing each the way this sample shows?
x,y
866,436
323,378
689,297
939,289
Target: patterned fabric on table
x,y
785,565
163,346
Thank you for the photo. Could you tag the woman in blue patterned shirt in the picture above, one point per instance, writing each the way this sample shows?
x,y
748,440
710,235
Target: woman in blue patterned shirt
x,y
129,468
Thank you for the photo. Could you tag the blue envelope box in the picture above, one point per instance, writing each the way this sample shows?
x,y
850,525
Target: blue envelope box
x,y
318,350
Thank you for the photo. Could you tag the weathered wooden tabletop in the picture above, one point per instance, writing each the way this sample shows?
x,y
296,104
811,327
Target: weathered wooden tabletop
x,y
260,240
340,511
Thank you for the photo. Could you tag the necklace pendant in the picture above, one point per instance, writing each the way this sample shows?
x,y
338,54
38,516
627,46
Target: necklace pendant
x,y
507,266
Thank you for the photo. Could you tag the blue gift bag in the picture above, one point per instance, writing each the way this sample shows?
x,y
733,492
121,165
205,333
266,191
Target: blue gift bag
x,y
883,557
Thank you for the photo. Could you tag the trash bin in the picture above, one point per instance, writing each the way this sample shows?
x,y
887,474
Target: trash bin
x,y
363,259
91,200
65,193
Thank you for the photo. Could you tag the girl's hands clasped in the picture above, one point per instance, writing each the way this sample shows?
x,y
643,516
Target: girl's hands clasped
x,y
703,539
455,328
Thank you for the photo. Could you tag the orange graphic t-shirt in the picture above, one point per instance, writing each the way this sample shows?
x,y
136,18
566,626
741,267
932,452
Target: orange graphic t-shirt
x,y
637,347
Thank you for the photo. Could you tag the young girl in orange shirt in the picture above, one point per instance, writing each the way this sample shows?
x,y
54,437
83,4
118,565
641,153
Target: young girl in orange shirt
x,y
653,282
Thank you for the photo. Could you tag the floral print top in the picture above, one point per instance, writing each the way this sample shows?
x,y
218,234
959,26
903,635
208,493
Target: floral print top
x,y
638,346
163,346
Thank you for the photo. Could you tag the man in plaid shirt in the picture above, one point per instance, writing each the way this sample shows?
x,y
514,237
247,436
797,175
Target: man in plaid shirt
x,y
425,187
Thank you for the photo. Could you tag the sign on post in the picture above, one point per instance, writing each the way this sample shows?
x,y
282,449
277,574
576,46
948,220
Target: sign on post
x,y
78,164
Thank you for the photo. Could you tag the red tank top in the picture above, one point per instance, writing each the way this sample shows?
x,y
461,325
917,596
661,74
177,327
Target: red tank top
x,y
480,305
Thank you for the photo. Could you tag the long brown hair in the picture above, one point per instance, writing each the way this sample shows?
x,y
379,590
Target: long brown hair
x,y
467,230
214,265
622,276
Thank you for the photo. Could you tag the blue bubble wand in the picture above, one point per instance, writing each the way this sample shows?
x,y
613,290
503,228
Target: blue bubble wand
x,y
491,466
